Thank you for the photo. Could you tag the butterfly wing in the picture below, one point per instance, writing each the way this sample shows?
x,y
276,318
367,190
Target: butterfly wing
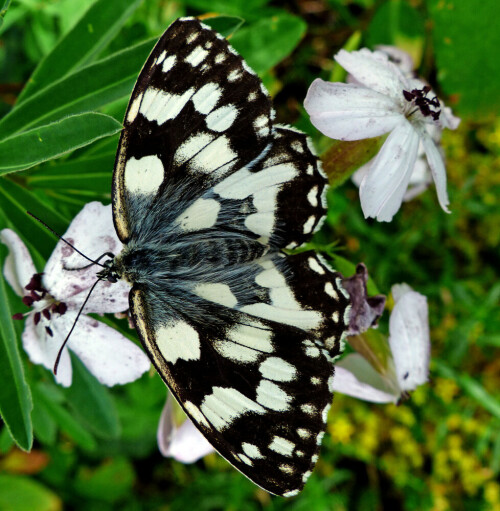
x,y
206,192
197,111
254,378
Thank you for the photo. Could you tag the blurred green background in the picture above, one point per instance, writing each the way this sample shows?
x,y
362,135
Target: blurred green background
x,y
95,448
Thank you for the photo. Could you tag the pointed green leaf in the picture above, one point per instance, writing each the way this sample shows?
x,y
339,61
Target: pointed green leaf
x,y
15,395
55,139
85,90
81,44
18,493
63,418
269,40
91,402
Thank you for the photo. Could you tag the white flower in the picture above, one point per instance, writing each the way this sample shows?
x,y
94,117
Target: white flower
x,y
382,100
409,342
57,294
184,443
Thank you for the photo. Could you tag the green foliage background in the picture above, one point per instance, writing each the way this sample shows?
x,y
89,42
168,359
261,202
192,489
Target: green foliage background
x,y
95,448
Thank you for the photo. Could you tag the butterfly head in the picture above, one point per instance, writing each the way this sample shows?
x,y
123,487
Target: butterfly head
x,y
110,271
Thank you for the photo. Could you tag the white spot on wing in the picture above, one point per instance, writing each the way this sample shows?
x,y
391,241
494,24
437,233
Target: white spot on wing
x,y
225,405
161,58
160,106
244,183
234,75
261,125
272,397
206,98
312,196
195,413
315,266
251,450
202,214
222,118
330,291
253,336
277,369
236,352
282,446
192,146
219,58
216,157
197,56
303,433
169,63
217,293
178,340
309,224
144,175
305,319
134,108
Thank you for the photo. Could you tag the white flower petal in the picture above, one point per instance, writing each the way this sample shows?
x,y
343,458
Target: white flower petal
x,y
43,349
374,72
438,170
409,338
19,267
350,112
185,444
108,355
92,232
383,188
448,120
398,57
355,377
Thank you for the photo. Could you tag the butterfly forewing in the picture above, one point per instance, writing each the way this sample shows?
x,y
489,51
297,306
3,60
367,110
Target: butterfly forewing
x,y
206,194
197,112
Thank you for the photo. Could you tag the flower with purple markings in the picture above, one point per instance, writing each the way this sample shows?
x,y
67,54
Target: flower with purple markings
x,y
383,98
56,295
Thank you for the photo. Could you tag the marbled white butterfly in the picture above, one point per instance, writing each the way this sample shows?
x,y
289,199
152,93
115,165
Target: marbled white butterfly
x,y
206,194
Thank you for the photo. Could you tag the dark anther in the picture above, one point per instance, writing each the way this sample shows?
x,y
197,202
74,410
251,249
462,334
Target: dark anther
x,y
49,331
419,98
18,315
46,313
35,284
28,301
62,308
35,296
36,318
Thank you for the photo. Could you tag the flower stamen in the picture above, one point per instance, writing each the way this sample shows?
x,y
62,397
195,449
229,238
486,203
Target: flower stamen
x,y
426,106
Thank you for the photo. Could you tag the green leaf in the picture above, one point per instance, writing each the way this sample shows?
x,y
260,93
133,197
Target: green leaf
x,y
62,417
110,482
55,139
15,395
225,25
18,493
92,403
466,45
3,10
86,173
80,45
18,201
85,90
269,40
472,387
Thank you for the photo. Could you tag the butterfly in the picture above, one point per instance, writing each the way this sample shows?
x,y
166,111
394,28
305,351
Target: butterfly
x,y
207,193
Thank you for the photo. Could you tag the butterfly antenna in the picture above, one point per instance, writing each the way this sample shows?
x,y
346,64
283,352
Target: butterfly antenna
x,y
67,242
59,353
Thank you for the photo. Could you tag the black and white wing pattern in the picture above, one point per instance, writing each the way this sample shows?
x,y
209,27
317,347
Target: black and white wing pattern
x,y
207,191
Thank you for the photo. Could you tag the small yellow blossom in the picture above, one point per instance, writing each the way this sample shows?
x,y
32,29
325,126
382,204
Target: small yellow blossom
x,y
446,389
341,430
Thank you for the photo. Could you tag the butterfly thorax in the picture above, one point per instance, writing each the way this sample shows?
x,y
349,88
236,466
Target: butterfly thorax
x,y
184,259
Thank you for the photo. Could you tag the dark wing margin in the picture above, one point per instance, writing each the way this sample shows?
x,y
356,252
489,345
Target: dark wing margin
x,y
197,112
